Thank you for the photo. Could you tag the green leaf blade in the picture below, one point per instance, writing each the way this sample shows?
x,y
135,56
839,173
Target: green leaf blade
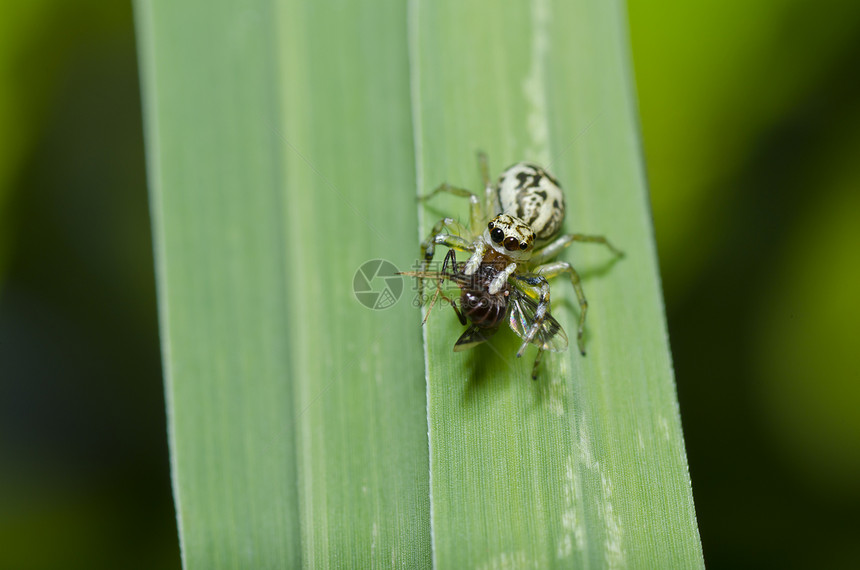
x,y
298,426
232,448
586,466
362,444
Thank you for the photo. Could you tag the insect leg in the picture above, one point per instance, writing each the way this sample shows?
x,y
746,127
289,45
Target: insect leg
x,y
432,302
460,315
439,277
453,303
551,270
450,259
553,248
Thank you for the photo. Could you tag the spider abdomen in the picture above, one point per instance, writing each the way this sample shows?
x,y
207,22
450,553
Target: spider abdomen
x,y
533,195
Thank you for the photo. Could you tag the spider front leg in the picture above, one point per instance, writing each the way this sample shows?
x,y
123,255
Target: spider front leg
x,y
499,280
436,237
476,211
553,248
550,270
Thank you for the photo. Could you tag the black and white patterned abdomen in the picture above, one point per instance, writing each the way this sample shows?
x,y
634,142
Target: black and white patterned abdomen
x,y
532,194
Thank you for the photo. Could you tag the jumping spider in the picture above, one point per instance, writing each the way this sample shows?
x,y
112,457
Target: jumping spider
x,y
517,243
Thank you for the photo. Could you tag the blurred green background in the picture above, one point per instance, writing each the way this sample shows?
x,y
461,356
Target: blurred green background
x,y
751,127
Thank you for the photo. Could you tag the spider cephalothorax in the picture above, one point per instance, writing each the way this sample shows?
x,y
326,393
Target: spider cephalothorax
x,y
510,236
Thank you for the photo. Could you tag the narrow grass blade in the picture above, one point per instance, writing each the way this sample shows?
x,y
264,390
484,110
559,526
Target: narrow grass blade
x,y
586,466
280,160
349,172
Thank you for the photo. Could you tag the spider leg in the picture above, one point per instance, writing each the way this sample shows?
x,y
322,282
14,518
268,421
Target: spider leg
x,y
437,237
550,270
476,211
491,205
554,247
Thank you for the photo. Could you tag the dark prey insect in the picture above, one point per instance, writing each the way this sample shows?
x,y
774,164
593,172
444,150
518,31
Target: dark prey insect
x,y
484,312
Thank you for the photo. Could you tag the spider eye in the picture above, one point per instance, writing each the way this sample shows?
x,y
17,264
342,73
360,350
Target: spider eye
x,y
497,235
523,245
511,244
490,225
